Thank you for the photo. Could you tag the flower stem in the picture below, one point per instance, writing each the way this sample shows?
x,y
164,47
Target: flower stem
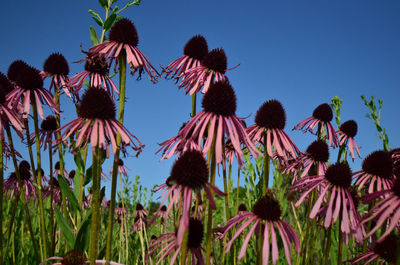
x,y
52,238
327,245
94,231
39,181
194,105
340,247
121,109
10,227
266,166
107,12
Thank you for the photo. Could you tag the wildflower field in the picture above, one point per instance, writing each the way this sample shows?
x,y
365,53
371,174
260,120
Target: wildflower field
x,y
238,188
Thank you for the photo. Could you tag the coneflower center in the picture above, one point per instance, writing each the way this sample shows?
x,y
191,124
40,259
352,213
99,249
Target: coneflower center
x,y
96,64
120,162
220,99
125,32
73,257
349,128
195,234
242,208
24,170
190,170
271,115
30,79
267,208
379,163
339,174
49,124
387,248
56,64
396,187
319,151
216,60
15,69
323,113
163,208
96,103
139,207
196,47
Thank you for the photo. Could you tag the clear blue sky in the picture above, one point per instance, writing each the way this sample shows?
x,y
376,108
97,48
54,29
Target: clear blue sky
x,y
300,52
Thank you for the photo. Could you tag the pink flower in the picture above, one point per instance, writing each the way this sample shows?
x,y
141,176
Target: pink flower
x,y
162,214
266,210
346,133
57,68
123,37
322,116
75,257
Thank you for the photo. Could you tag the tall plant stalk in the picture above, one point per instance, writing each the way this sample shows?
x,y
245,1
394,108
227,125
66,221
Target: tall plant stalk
x,y
121,109
94,230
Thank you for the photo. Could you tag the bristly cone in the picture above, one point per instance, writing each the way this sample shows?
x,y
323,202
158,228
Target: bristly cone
x,y
216,60
15,69
339,174
323,113
30,79
349,128
196,233
271,115
220,99
56,64
96,103
49,124
319,151
267,207
379,163
196,47
388,248
73,257
96,64
124,31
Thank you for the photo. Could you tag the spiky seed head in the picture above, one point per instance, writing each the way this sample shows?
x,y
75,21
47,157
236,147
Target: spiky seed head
x,y
220,99
54,182
56,64
379,163
139,207
49,124
196,47
96,64
15,69
271,115
120,162
319,151
216,60
96,103
339,174
387,248
71,174
30,79
163,208
73,257
268,208
124,31
190,170
349,128
242,208
196,233
323,113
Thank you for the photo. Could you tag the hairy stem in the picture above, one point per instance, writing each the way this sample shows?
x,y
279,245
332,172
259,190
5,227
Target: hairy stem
x,y
94,231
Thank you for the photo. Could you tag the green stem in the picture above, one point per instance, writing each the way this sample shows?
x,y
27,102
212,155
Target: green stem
x,y
107,12
210,217
28,140
26,209
194,105
327,245
340,247
52,238
266,166
184,248
10,227
39,181
121,109
94,231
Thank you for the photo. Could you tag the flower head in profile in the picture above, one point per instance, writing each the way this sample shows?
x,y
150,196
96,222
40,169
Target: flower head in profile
x,y
56,67
386,212
321,118
97,70
195,50
346,133
270,121
47,132
168,244
53,187
218,119
212,69
29,87
376,173
124,37
333,194
384,251
266,210
96,123
162,214
75,257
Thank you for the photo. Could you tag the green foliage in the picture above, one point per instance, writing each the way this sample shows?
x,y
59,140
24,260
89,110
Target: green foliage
x,y
336,104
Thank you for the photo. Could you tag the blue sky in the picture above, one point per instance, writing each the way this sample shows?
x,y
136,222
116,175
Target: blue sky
x,y
301,53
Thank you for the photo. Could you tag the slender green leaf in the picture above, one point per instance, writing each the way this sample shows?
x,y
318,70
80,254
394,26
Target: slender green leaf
x,y
93,36
110,21
95,14
66,191
88,176
103,4
83,236
98,21
65,229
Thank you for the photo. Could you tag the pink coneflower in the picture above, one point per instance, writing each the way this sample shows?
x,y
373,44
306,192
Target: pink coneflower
x,y
56,191
75,257
376,173
12,184
317,155
96,123
122,169
8,115
56,67
270,121
47,132
219,117
189,174
386,211
140,218
321,118
334,193
162,214
195,50
124,36
168,244
140,211
346,133
29,86
120,211
57,172
212,69
97,70
383,251
268,210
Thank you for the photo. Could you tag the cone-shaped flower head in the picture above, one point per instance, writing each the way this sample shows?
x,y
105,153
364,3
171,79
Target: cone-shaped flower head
x,y
242,208
386,249
123,31
323,113
190,170
15,69
96,64
346,133
74,257
339,174
30,79
220,99
216,60
196,233
49,124
56,64
196,47
96,104
267,208
349,128
24,170
319,151
271,115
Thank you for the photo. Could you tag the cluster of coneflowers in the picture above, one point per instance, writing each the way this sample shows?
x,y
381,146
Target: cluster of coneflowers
x,y
212,139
